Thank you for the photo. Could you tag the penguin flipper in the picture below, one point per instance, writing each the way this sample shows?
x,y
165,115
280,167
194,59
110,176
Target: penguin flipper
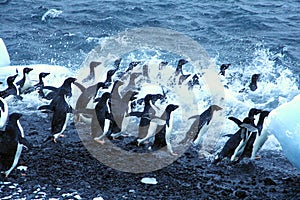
x,y
81,87
195,116
50,88
45,107
235,120
136,114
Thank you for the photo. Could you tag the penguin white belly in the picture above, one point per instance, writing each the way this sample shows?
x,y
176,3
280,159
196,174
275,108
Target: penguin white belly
x,y
201,133
27,83
259,142
168,134
240,148
64,126
150,133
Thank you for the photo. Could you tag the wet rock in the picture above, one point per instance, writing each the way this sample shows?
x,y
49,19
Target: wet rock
x,y
269,181
240,194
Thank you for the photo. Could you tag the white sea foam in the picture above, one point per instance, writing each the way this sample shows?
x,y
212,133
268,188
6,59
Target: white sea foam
x,y
51,13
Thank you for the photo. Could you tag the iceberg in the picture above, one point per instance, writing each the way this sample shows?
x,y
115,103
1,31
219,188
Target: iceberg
x,y
4,56
284,123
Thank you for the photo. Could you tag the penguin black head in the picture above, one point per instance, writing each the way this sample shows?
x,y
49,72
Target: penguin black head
x,y
163,64
264,113
26,70
134,64
171,107
117,63
94,64
253,111
105,96
255,77
182,62
110,73
11,79
215,108
15,116
70,80
43,74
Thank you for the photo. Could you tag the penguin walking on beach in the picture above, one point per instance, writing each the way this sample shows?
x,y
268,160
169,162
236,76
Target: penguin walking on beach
x,y
147,114
25,83
3,113
104,115
164,130
91,76
236,143
11,90
12,141
200,125
60,106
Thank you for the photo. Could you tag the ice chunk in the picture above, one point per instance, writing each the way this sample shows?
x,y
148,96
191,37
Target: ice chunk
x,y
151,181
284,123
4,56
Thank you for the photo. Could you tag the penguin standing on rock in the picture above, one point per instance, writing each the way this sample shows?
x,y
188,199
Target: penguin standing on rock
x,y
25,83
201,125
12,141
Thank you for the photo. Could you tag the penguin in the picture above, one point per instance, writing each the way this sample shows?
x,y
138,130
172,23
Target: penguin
x,y
131,84
25,83
120,110
104,115
60,105
201,125
40,84
163,137
234,145
108,83
180,63
147,113
259,138
131,66
87,94
253,84
12,89
66,86
12,140
91,76
194,81
223,67
3,113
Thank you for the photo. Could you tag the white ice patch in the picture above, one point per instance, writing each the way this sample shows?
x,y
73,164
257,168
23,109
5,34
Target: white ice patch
x,y
151,181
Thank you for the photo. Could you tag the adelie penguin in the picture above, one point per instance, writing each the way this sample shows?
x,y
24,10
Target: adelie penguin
x,y
91,76
256,140
12,141
25,83
11,90
223,67
236,143
40,84
147,114
163,136
60,105
104,116
66,86
200,125
253,84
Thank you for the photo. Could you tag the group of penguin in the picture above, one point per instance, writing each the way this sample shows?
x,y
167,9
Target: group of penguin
x,y
112,110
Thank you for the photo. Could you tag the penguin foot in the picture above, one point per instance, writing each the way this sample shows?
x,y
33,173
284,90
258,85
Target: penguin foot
x,y
173,154
100,141
257,158
62,136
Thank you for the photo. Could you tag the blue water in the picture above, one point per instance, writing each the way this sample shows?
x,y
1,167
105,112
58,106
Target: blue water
x,y
230,31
